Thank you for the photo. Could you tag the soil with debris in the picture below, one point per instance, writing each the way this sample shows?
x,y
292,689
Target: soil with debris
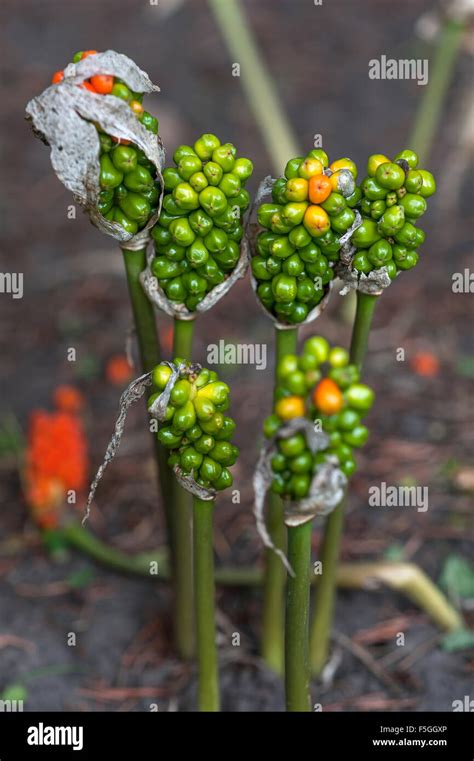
x,y
77,636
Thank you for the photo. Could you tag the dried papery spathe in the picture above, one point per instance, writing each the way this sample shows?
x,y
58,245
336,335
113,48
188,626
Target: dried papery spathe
x,y
64,117
158,297
326,490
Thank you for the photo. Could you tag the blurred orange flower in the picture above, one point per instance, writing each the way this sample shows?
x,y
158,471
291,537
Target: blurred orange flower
x,y
56,460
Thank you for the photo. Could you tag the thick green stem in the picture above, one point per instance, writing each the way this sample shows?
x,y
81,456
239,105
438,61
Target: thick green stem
x,y
273,618
145,325
440,74
325,599
181,528
326,592
403,577
257,82
204,592
150,355
360,332
297,672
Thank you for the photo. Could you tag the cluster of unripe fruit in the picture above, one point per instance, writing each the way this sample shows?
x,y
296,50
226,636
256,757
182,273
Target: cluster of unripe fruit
x,y
323,386
311,208
195,428
393,197
197,237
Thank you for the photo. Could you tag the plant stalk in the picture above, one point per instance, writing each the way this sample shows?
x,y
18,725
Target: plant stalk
x,y
274,578
405,578
330,549
360,333
257,82
181,521
204,589
297,671
150,356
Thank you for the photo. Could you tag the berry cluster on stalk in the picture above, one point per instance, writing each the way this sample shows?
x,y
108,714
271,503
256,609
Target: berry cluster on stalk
x,y
197,237
129,192
393,197
311,208
195,428
321,385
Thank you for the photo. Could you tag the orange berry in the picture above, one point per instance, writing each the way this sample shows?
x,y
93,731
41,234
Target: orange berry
x,y
68,399
58,76
102,83
117,370
87,53
425,363
319,188
327,397
87,86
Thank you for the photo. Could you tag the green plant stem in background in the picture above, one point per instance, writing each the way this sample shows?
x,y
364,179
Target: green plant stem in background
x,y
181,527
258,84
150,354
204,592
406,578
330,549
440,74
154,564
297,672
273,616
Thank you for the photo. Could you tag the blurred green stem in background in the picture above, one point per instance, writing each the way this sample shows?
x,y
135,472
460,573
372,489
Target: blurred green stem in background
x,y
258,84
181,527
204,593
440,74
274,577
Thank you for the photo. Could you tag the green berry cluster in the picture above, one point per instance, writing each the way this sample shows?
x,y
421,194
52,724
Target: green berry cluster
x,y
320,384
195,428
198,233
311,208
130,191
393,197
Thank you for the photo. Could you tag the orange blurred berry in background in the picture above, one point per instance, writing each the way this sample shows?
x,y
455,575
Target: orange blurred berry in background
x,y
68,399
425,363
118,370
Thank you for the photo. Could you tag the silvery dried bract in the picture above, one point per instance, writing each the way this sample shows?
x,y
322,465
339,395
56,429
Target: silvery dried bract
x,y
134,391
158,297
64,115
372,284
326,489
